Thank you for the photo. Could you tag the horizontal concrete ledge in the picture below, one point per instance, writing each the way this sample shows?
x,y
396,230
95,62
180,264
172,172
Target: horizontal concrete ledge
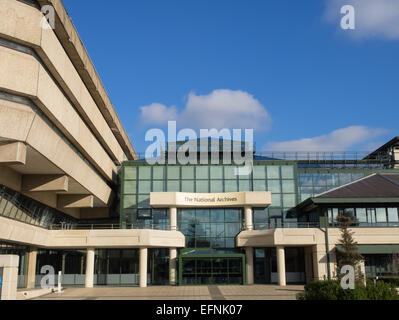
x,y
32,294
45,183
9,261
12,153
75,201
21,233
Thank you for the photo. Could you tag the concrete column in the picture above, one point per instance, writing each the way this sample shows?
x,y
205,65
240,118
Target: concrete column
x,y
248,218
319,262
172,266
173,219
31,269
9,264
143,267
89,281
282,281
249,264
308,264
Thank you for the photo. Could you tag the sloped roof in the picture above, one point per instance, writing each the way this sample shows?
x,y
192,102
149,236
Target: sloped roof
x,y
374,186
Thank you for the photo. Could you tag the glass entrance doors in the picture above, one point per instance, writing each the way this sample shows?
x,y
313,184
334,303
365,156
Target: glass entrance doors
x,y
209,269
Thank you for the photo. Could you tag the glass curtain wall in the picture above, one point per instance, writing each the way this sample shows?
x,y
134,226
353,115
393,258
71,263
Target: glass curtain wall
x,y
72,264
138,180
366,217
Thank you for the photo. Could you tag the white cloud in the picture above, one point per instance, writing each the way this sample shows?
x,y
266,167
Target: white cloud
x,y
157,114
374,18
338,140
219,109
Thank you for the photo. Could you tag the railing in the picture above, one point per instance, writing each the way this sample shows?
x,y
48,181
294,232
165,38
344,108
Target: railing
x,y
286,225
370,225
66,226
331,159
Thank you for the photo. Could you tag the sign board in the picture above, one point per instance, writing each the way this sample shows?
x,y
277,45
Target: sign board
x,y
210,200
1,281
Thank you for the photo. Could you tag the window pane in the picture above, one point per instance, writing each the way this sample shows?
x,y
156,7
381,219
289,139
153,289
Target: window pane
x,y
259,172
273,172
131,173
158,172
305,180
217,215
129,201
202,172
173,172
130,187
231,186
187,215
188,186
287,172
232,229
381,215
145,187
188,173
144,201
361,215
143,214
288,186
289,200
217,172
145,173
216,186
274,186
158,186
244,185
229,172
202,215
276,200
260,216
233,215
393,215
173,186
202,186
259,185
371,215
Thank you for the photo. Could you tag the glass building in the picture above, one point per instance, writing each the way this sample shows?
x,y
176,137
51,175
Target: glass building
x,y
211,254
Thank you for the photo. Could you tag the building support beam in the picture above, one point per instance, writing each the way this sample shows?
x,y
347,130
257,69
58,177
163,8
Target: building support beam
x,y
173,219
9,264
89,280
143,267
172,266
13,153
31,269
45,183
282,281
248,218
249,265
75,201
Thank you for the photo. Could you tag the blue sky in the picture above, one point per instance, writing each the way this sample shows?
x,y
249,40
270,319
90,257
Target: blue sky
x,y
285,66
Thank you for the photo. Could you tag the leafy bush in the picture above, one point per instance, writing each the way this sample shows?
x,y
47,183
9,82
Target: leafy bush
x,y
393,281
332,290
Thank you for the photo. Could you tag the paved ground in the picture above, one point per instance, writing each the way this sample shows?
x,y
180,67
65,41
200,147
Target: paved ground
x,y
256,292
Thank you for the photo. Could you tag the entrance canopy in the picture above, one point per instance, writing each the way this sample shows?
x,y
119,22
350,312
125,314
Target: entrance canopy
x,y
210,200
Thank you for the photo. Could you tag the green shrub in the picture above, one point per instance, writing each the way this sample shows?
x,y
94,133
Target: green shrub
x,y
332,290
381,291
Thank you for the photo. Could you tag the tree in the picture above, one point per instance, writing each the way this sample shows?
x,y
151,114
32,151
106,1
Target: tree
x,y
347,250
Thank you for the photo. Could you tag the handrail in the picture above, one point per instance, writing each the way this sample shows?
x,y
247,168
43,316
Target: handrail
x,y
67,226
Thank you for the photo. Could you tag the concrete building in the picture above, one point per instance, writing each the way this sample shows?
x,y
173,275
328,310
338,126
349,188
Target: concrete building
x,y
74,194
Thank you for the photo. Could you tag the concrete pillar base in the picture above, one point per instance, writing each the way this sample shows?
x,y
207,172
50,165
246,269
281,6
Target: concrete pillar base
x,y
282,281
